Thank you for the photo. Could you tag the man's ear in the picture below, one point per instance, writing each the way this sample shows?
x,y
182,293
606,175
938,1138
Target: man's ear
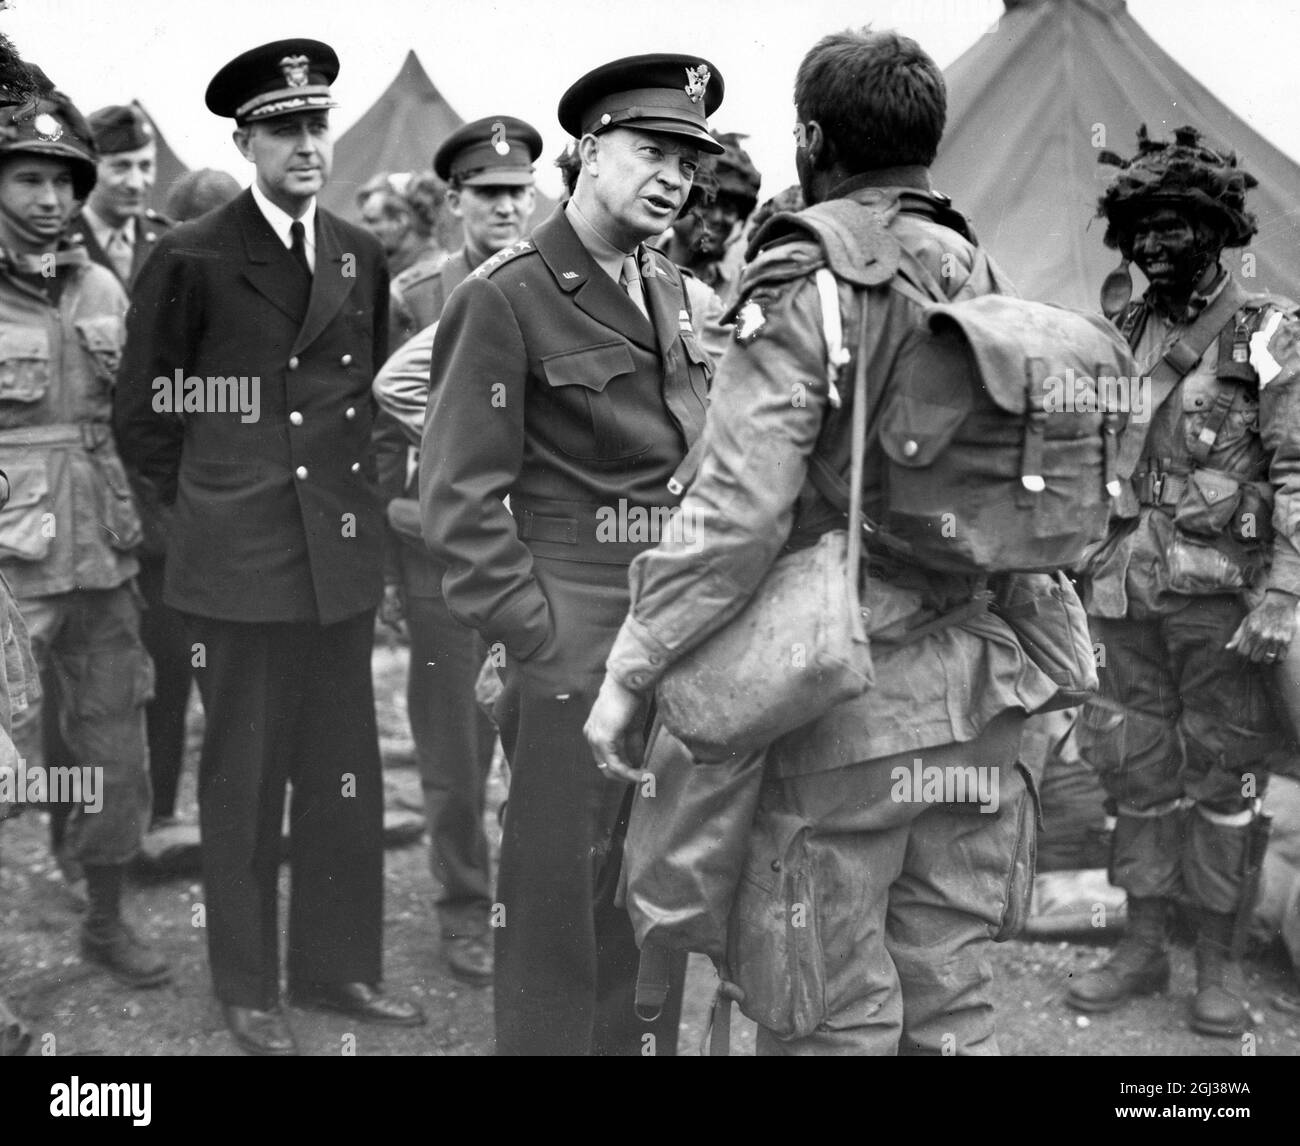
x,y
818,147
589,153
453,201
241,137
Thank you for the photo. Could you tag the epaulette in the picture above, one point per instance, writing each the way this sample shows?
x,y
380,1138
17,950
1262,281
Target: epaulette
x,y
506,255
791,256
417,273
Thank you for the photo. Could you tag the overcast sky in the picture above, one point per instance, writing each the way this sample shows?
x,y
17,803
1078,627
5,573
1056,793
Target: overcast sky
x,y
517,56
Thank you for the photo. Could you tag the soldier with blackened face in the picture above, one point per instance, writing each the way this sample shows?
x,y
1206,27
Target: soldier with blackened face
x,y
1193,596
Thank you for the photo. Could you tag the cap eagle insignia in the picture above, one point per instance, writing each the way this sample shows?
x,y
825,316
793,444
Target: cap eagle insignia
x,y
697,79
295,71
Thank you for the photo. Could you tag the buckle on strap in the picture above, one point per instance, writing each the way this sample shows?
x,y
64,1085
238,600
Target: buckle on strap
x,y
94,435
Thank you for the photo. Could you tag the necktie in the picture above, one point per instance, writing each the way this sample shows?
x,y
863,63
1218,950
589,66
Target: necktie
x,y
630,280
299,248
120,253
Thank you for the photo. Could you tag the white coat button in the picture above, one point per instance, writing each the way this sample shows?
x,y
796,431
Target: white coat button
x,y
356,467
301,471
350,413
346,360
293,363
296,418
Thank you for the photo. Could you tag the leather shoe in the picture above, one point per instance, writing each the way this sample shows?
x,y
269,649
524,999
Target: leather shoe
x,y
260,1032
469,958
360,1001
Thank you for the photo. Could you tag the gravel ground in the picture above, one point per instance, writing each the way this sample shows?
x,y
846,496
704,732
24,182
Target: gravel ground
x,y
75,1009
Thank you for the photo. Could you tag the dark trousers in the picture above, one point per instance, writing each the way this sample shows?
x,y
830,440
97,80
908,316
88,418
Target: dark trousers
x,y
1179,716
164,633
453,746
290,702
566,957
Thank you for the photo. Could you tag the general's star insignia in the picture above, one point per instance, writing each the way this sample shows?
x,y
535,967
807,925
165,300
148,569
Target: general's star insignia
x,y
750,321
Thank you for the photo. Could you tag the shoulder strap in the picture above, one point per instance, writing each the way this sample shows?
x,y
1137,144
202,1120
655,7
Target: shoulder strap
x,y
1176,363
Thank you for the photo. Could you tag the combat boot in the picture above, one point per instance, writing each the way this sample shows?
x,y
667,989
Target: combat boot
x,y
1139,965
1220,1004
108,941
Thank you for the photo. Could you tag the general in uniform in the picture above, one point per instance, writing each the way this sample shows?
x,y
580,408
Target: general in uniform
x,y
1193,596
566,375
275,550
487,166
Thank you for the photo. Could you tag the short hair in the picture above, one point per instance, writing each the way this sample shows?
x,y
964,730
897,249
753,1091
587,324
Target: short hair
x,y
197,192
879,98
418,197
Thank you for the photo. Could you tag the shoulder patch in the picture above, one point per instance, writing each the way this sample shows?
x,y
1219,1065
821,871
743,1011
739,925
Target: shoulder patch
x,y
750,320
497,261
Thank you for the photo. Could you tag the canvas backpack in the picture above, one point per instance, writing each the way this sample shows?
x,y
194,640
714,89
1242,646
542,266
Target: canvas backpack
x,y
1000,419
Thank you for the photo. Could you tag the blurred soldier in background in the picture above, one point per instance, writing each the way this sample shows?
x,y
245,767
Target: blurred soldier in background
x,y
1193,597
488,168
403,223
117,224
197,192
67,534
706,240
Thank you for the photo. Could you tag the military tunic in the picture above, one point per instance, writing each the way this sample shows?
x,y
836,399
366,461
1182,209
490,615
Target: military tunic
x,y
552,388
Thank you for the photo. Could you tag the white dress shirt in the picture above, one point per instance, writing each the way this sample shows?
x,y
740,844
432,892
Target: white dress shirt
x,y
281,221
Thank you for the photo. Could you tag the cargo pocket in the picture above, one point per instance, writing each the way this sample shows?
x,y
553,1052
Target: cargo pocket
x,y
112,682
26,523
1129,751
774,951
24,365
121,519
1024,861
1208,503
101,338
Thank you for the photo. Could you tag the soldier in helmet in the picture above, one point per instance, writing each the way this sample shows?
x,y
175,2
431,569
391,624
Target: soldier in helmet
x,y
704,241
67,534
1193,595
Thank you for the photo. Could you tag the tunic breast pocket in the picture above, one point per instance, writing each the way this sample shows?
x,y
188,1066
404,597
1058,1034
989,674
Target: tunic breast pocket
x,y
591,424
24,364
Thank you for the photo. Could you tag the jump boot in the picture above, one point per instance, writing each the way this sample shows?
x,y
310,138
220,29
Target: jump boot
x,y
108,941
1220,1004
1139,965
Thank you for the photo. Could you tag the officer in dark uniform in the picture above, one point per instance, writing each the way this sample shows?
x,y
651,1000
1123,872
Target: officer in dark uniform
x,y
117,224
276,543
567,376
487,166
